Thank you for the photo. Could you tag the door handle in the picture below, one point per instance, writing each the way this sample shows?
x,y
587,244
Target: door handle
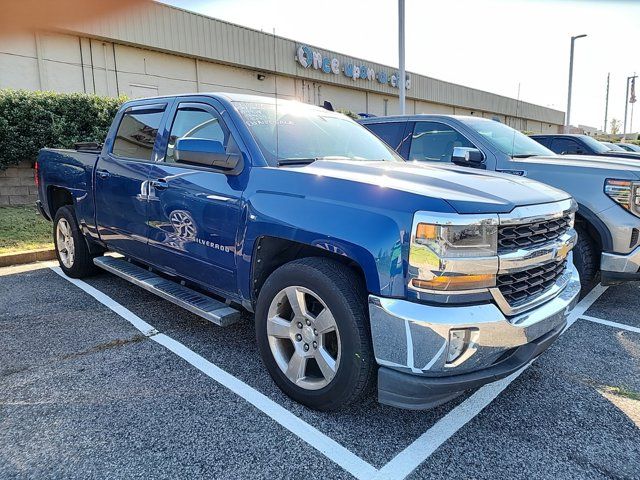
x,y
160,184
103,173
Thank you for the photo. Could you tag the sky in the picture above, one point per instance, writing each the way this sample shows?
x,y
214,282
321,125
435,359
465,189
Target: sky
x,y
492,45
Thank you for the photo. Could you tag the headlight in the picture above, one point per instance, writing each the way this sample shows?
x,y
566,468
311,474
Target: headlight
x,y
625,193
454,257
452,241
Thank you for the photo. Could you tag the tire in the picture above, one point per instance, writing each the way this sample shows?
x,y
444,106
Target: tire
x,y
323,284
586,259
73,255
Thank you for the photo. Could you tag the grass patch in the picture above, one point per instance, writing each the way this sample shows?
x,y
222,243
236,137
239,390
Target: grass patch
x,y
22,229
623,392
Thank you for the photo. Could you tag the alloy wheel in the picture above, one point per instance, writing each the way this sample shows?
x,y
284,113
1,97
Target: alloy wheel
x,y
303,337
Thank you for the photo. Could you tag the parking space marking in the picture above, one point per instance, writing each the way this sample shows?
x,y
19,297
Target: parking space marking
x,y
405,462
348,460
423,447
609,323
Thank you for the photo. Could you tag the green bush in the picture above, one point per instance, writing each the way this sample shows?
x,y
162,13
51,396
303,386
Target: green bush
x,y
30,121
349,113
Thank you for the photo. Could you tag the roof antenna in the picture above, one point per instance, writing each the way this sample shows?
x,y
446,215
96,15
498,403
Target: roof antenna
x,y
513,143
275,86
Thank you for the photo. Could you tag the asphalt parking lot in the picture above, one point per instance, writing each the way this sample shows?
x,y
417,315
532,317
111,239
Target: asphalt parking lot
x,y
102,379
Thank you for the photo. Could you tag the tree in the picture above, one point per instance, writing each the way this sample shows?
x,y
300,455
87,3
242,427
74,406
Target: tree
x,y
615,126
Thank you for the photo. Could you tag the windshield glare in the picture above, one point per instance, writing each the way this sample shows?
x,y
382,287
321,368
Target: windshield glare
x,y
308,132
507,139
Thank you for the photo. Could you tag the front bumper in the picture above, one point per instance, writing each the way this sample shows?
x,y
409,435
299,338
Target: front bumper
x,y
410,342
617,268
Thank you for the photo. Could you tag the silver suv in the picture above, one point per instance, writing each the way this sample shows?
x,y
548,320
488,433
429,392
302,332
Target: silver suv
x,y
607,189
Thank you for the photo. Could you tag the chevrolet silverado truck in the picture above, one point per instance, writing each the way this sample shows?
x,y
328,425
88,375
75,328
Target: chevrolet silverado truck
x,y
357,265
606,189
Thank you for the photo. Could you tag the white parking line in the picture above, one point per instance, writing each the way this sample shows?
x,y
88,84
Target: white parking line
x,y
311,435
609,323
421,449
405,462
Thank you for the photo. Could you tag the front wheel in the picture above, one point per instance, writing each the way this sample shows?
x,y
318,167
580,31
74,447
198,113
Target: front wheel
x,y
71,247
586,258
313,334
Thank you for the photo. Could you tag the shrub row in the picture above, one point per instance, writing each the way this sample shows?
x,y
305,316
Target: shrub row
x,y
30,121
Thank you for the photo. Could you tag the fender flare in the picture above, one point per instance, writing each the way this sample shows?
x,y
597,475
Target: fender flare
x,y
598,225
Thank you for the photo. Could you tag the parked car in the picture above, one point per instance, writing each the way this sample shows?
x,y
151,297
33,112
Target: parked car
x,y
613,147
566,144
355,262
629,147
607,189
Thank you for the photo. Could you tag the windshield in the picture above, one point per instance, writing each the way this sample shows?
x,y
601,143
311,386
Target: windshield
x,y
506,139
594,144
630,147
613,147
306,132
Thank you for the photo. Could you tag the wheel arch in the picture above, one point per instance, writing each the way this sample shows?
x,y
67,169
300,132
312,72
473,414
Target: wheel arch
x,y
595,228
270,253
58,197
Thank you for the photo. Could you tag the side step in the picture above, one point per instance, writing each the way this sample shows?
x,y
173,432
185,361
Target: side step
x,y
202,305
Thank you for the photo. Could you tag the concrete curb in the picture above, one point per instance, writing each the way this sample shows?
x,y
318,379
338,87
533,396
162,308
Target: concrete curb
x,y
9,259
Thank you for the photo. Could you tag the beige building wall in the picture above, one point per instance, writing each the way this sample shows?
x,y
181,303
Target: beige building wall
x,y
74,63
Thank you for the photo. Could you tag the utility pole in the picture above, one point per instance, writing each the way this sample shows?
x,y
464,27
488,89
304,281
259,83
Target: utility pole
x,y
606,105
568,119
626,105
401,81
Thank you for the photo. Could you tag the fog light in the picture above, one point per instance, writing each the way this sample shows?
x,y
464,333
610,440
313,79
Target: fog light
x,y
458,343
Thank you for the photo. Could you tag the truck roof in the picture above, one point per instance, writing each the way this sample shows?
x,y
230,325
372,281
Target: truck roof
x,y
232,97
420,116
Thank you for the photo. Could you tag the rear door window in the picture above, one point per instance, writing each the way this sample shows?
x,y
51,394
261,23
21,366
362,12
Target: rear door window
x,y
566,146
546,141
435,141
137,134
390,133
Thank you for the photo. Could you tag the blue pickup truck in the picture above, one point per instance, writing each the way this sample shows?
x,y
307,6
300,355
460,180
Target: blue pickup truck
x,y
359,266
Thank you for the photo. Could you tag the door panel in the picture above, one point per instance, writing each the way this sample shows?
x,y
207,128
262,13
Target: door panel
x,y
194,212
121,177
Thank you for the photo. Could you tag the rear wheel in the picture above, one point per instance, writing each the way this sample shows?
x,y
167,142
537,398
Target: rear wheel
x,y
313,335
586,258
71,247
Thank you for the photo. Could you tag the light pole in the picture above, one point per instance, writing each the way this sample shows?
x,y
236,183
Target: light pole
x,y
401,80
568,119
626,104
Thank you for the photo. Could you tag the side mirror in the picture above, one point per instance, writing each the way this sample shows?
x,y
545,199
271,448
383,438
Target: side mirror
x,y
209,153
468,157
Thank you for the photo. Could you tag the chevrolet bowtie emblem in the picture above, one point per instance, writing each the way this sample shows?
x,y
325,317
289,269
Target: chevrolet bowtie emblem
x,y
562,251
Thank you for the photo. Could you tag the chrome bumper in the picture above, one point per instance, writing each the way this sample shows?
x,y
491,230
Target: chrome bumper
x,y
413,337
613,262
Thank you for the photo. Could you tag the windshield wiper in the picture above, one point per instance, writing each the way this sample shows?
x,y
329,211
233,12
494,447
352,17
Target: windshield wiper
x,y
524,155
307,161
296,161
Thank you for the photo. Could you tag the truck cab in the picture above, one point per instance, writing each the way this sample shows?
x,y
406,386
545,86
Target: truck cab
x,y
360,268
608,218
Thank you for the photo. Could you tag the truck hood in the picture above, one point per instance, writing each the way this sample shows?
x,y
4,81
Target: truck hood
x,y
465,189
629,168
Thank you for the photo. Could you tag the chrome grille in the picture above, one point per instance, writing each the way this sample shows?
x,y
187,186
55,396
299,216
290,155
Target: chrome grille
x,y
513,237
522,287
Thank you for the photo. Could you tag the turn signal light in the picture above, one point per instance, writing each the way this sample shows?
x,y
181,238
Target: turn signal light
x,y
456,282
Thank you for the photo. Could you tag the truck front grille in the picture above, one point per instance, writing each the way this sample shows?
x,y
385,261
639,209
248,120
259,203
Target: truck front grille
x,y
513,237
522,287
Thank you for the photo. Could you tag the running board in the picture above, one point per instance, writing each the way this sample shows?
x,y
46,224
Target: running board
x,y
206,307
